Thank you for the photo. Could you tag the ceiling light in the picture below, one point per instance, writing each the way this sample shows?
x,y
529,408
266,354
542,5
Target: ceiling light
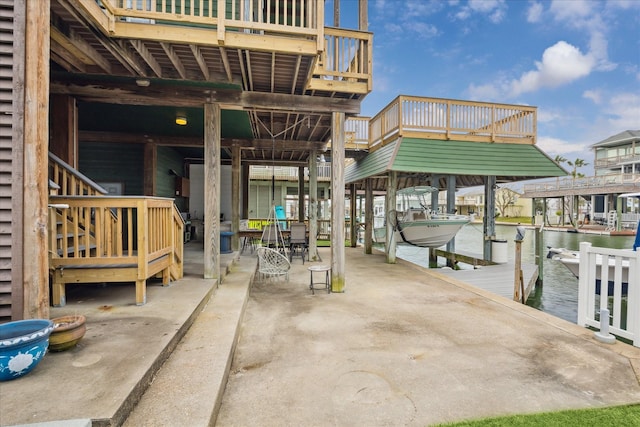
x,y
181,120
143,82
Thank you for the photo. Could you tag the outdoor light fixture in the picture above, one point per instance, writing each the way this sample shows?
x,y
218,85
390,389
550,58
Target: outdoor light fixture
x,y
143,82
181,120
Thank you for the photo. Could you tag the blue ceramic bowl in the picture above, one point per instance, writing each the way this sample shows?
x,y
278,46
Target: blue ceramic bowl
x,y
23,344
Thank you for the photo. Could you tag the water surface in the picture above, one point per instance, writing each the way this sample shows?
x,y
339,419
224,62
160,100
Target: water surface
x,y
559,293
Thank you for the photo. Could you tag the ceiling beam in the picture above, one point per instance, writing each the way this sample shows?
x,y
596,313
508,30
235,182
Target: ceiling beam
x,y
191,141
162,94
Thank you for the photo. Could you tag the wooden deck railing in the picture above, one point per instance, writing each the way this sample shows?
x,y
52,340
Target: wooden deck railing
x,y
288,173
70,181
345,60
113,239
599,182
278,16
344,57
434,118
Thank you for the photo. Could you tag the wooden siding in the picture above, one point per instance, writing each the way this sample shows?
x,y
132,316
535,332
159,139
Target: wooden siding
x,y
167,159
11,94
111,162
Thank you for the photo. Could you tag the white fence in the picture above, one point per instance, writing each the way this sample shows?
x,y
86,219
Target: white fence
x,y
619,290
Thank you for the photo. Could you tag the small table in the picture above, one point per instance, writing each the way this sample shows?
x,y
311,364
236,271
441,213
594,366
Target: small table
x,y
327,280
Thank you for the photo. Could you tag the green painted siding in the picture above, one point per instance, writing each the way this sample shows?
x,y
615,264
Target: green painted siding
x,y
105,162
168,158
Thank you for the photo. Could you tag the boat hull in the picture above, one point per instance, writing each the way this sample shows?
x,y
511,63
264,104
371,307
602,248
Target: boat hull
x,y
571,260
426,234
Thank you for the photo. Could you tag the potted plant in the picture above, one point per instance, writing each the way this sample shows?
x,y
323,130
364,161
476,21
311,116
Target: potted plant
x,y
67,332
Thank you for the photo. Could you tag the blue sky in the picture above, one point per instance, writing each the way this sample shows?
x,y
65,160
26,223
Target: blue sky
x,y
578,61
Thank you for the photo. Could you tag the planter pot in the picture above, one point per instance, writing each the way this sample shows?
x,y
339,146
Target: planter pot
x,y
67,331
23,344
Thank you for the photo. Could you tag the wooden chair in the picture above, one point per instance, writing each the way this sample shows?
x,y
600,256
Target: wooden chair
x,y
272,263
298,245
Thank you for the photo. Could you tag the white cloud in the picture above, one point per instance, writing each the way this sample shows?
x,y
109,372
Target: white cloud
x,y
561,63
564,10
546,116
534,12
625,111
495,10
486,92
555,146
593,95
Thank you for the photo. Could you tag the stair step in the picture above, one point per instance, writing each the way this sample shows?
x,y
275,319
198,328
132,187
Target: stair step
x,y
190,384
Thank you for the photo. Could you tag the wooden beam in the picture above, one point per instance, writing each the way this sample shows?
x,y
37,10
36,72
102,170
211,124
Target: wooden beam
x,y
337,203
175,60
197,54
36,160
79,48
63,141
146,55
368,216
235,196
390,205
17,161
212,191
127,92
187,141
150,166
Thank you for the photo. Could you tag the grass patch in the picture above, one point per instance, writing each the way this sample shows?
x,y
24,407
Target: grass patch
x,y
514,220
620,416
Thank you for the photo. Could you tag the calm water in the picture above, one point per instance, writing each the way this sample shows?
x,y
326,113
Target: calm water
x,y
559,293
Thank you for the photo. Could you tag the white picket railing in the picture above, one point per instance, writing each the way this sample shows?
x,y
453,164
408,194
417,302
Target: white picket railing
x,y
622,302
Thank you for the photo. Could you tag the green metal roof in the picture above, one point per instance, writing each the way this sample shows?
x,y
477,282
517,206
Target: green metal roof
x,y
431,156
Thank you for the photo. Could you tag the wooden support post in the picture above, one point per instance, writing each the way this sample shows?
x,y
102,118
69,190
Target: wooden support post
x,y
150,168
211,191
245,191
539,248
64,131
34,210
353,216
518,282
368,217
313,206
235,197
301,203
489,221
451,207
337,203
390,213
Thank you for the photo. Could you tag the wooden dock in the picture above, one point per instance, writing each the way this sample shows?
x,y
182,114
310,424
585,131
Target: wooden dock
x,y
498,278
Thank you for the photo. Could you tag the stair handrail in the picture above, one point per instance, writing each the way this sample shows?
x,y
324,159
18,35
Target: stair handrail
x,y
58,166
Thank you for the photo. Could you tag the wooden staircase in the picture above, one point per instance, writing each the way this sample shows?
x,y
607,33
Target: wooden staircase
x,y
96,238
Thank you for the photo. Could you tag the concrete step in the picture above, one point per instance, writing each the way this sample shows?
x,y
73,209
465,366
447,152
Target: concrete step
x,y
188,388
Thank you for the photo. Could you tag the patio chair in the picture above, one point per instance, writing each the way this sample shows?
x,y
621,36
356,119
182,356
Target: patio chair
x,y
272,263
298,245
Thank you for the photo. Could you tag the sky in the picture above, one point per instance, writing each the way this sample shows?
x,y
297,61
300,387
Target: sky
x,y
577,61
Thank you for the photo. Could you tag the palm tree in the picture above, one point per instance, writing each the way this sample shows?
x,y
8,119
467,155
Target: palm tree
x,y
577,163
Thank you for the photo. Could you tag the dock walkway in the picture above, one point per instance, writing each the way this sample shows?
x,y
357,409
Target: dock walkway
x,y
498,278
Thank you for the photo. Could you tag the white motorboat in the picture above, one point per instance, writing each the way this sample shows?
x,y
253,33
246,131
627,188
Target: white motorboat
x,y
417,225
571,260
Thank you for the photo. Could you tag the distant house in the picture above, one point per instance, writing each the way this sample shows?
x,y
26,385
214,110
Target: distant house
x,y
509,201
618,154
